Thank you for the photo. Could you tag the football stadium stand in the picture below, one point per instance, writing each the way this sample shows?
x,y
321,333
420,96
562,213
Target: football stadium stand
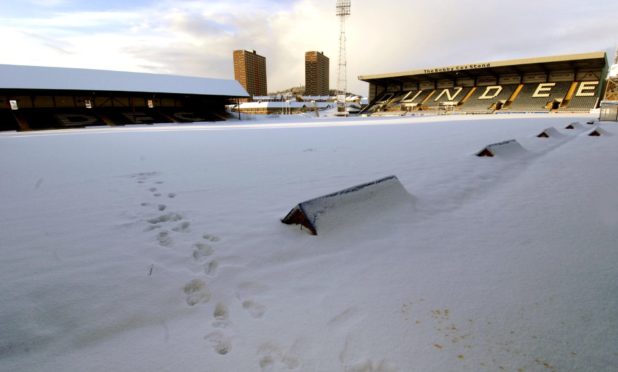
x,y
568,83
33,98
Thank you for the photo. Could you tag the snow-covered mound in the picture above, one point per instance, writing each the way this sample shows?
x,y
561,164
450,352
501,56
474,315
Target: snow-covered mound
x,y
550,132
354,204
505,149
161,248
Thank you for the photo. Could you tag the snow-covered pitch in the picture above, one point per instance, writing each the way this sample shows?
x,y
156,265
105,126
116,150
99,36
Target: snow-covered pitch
x,y
161,248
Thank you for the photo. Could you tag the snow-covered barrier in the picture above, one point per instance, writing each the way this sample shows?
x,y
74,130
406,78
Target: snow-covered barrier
x,y
358,202
550,133
506,148
575,126
598,132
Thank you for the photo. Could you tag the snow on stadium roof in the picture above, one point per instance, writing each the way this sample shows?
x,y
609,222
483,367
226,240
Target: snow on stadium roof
x,y
75,79
515,66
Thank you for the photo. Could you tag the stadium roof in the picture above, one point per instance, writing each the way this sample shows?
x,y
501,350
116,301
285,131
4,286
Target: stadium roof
x,y
595,60
55,78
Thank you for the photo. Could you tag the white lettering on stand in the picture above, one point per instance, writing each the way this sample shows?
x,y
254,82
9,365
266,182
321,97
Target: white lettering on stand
x,y
543,90
587,89
448,94
491,92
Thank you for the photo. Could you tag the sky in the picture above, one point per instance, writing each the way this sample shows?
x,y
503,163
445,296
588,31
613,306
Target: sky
x,y
197,38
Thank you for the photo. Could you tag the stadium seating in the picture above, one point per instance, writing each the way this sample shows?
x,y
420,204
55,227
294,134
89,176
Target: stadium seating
x,y
582,103
452,95
533,97
51,111
64,118
397,98
416,96
378,104
479,102
394,104
398,101
40,119
526,101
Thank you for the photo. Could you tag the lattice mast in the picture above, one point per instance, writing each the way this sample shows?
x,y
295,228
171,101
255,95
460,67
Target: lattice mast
x,y
343,11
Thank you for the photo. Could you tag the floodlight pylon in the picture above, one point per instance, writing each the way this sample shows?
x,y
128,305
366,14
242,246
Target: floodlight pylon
x,y
343,11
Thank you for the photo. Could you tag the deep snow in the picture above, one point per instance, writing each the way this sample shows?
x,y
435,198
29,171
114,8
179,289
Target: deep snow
x,y
161,249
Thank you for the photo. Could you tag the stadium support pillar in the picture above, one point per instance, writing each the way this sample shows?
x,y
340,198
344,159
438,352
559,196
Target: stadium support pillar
x,y
569,95
429,96
21,121
513,97
107,120
470,93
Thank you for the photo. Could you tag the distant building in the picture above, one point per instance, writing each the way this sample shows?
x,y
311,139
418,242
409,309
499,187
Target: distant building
x,y
316,74
250,71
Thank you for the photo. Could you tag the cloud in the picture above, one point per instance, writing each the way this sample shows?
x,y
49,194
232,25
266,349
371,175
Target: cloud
x,y
48,3
198,37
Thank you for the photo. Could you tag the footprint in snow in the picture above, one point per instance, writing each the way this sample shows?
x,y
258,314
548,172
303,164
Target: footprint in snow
x,y
246,292
221,344
210,268
201,251
221,312
267,363
221,315
255,309
271,355
183,227
143,176
169,217
171,195
164,238
211,238
196,292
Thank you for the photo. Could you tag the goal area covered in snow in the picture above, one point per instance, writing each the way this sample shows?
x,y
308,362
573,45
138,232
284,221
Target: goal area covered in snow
x,y
161,248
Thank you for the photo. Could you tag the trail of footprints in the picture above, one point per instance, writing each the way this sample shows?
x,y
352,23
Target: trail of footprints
x,y
196,292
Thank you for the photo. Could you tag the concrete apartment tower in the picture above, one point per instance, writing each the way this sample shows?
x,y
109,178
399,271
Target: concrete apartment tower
x,y
250,71
316,74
